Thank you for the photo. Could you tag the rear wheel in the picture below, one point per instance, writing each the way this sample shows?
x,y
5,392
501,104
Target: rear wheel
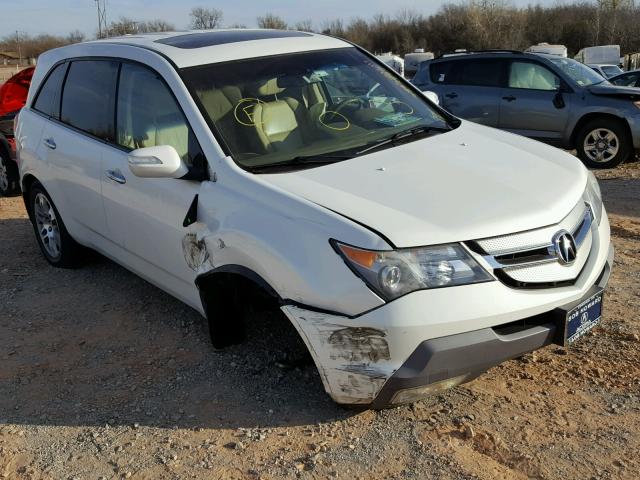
x,y
603,143
9,177
56,244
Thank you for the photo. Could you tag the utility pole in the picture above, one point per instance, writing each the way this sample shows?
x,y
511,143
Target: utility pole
x,y
101,5
19,49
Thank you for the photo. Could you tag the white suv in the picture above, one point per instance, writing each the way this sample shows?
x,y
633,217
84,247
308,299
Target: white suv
x,y
411,250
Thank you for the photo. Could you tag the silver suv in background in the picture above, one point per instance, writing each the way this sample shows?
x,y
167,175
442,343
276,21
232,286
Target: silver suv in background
x,y
556,100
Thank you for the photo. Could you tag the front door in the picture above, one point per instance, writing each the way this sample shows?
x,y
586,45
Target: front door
x,y
533,104
145,215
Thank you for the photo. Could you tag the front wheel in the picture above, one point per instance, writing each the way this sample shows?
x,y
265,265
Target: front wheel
x,y
603,143
56,244
9,178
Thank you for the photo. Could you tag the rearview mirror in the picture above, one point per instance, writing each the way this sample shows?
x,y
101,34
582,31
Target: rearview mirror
x,y
433,96
161,161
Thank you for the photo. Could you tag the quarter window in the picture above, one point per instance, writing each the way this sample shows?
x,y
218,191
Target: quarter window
x,y
148,115
532,76
88,98
48,101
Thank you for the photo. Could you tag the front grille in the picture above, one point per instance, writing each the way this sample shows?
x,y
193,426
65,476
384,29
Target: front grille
x,y
529,260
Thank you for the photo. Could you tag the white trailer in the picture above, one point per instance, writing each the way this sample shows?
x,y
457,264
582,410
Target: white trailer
x,y
413,60
599,55
559,50
393,61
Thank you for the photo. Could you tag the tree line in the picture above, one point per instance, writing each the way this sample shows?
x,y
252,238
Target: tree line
x,y
470,24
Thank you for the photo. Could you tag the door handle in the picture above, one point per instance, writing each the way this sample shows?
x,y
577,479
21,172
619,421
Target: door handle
x,y
116,176
50,143
451,95
509,98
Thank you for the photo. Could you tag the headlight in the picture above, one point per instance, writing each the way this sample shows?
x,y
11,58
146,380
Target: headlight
x,y
593,196
394,273
637,104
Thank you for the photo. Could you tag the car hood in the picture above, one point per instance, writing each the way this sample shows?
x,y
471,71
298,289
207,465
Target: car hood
x,y
470,183
615,91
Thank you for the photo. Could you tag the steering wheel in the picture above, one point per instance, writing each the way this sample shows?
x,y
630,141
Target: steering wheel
x,y
355,103
371,90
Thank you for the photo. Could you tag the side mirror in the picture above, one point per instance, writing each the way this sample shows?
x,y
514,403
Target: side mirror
x,y
433,96
157,162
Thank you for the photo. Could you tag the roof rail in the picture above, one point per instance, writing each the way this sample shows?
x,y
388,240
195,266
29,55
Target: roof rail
x,y
488,50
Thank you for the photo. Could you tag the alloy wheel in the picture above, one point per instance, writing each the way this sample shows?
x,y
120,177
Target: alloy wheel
x,y
47,224
601,145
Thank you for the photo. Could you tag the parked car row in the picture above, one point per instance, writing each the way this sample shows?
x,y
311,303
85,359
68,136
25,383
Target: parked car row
x,y
13,95
556,100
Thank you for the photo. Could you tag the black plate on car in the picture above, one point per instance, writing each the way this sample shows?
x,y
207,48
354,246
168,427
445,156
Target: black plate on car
x,y
575,321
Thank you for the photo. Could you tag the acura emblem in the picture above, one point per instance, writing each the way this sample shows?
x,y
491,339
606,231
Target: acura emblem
x,y
565,247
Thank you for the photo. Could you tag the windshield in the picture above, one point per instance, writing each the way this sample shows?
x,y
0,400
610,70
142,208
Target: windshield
x,y
276,109
611,70
579,72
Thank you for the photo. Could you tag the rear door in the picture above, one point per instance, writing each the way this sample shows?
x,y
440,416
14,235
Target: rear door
x,y
72,146
470,87
532,104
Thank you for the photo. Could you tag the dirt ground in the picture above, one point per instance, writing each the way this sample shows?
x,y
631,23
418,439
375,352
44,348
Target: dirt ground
x,y
104,376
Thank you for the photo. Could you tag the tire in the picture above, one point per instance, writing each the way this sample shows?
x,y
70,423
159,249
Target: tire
x,y
604,143
57,246
9,176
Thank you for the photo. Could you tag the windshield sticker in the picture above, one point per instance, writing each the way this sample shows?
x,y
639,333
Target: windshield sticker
x,y
396,119
334,120
243,112
441,77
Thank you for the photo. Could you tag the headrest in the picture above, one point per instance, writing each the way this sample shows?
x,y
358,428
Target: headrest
x,y
266,88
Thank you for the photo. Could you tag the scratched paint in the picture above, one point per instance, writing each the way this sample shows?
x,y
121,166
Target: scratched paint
x,y
353,361
357,344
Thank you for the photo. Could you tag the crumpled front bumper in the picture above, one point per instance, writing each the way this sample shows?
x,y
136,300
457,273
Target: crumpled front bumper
x,y
439,337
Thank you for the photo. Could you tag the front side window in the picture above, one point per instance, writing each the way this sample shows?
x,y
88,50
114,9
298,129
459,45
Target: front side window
x,y
149,115
48,100
532,76
627,80
88,98
276,109
578,72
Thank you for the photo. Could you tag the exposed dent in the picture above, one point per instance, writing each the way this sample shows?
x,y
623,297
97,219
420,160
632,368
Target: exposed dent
x,y
195,251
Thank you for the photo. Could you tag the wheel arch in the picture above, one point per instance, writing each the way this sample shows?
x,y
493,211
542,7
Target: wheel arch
x,y
588,117
234,272
27,181
225,293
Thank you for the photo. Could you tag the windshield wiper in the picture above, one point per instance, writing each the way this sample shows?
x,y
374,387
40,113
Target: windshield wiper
x,y
303,160
402,135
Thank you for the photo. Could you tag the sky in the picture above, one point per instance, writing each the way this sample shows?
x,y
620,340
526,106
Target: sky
x,y
62,16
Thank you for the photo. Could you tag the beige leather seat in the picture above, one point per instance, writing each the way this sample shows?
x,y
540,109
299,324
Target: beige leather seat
x,y
275,120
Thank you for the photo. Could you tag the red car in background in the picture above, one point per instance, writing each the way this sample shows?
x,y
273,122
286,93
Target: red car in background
x,y
13,95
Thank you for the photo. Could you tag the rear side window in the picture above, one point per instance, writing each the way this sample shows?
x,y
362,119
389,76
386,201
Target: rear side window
x,y
48,100
440,72
88,100
149,115
475,72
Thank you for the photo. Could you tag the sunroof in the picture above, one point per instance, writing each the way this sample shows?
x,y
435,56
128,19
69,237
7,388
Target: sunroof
x,y
208,39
